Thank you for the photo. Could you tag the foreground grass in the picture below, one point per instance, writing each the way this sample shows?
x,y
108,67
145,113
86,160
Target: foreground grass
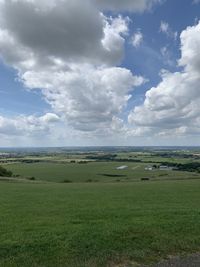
x,y
87,225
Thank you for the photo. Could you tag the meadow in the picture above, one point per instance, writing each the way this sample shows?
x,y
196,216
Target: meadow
x,y
94,172
79,211
97,224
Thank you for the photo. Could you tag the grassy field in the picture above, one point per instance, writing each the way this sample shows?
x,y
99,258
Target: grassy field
x,y
97,224
93,215
93,171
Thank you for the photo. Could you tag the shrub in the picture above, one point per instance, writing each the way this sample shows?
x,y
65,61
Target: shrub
x,y
4,172
67,181
145,179
89,181
31,178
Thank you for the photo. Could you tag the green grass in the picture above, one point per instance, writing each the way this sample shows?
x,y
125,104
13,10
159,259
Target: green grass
x,y
97,225
93,171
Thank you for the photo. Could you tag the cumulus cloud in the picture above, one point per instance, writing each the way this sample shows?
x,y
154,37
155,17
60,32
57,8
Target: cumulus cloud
x,y
87,97
114,31
190,41
40,33
43,33
73,54
137,39
27,125
70,54
172,107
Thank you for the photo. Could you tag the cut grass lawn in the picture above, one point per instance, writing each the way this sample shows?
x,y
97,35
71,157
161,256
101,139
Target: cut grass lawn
x,y
94,225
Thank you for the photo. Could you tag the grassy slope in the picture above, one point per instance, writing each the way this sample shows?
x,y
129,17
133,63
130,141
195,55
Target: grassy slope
x,y
79,225
94,170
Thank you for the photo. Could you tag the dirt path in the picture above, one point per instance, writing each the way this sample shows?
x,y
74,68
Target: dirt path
x,y
187,261
135,167
11,179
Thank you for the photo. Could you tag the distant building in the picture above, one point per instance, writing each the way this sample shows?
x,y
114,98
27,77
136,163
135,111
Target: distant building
x,y
149,168
122,167
164,168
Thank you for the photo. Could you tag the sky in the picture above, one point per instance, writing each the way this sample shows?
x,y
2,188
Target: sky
x,y
99,72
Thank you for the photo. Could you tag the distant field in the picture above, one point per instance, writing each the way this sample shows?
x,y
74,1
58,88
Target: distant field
x,y
93,172
97,224
152,157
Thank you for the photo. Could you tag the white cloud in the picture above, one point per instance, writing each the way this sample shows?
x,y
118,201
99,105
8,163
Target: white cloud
x,y
190,41
87,97
166,29
40,33
61,31
173,107
49,118
137,39
70,54
27,125
114,31
167,56
196,1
